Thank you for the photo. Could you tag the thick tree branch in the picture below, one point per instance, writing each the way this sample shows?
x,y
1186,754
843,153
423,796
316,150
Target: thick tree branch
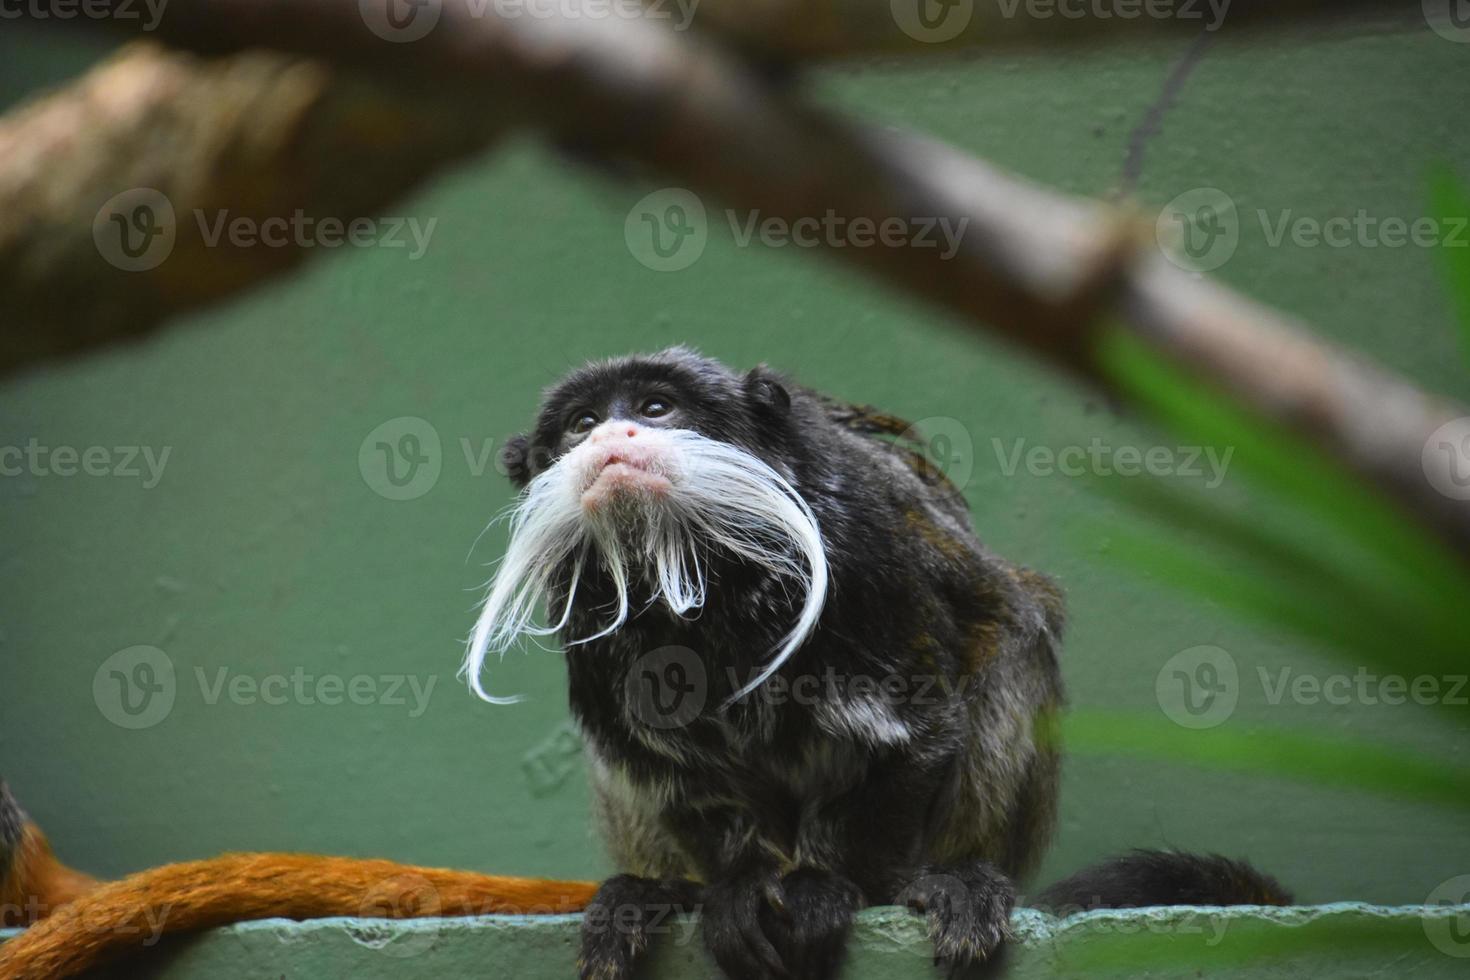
x,y
256,136
834,28
1035,267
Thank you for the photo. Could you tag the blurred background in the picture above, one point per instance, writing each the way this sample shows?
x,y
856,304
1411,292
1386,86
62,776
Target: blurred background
x,y
269,544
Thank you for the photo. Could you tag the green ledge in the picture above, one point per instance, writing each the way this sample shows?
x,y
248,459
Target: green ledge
x,y
1347,940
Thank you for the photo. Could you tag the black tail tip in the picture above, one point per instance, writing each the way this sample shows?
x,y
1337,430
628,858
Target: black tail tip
x,y
1143,877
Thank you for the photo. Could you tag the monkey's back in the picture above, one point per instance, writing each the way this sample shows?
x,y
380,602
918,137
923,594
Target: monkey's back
x,y
1005,625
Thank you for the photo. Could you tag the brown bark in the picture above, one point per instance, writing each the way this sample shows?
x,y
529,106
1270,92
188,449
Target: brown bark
x,y
254,136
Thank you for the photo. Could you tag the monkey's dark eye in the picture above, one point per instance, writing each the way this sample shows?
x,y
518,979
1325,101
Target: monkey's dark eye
x,y
584,422
656,407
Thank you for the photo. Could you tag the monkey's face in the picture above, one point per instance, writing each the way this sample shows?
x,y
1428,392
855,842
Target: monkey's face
x,y
649,469
614,413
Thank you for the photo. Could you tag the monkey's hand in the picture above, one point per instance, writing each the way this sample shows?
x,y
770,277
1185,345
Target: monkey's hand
x,y
810,930
969,912
621,918
759,926
737,910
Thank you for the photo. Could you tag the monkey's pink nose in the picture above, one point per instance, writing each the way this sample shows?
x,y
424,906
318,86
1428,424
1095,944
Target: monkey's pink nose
x,y
614,431
622,460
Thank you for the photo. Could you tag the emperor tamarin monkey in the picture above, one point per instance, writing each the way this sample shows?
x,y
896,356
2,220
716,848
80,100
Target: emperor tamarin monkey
x,y
804,684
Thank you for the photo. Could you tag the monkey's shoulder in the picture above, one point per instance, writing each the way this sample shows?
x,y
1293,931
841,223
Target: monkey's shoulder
x,y
883,434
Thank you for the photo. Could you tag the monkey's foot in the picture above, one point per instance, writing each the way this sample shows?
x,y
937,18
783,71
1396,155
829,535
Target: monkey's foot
x,y
969,912
810,930
621,918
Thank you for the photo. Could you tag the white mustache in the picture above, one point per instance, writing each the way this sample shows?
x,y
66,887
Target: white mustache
x,y
719,497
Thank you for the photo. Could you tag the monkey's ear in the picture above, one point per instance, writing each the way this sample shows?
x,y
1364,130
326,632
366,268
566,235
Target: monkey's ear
x,y
515,460
766,391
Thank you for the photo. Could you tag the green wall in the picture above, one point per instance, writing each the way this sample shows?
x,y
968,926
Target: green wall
x,y
262,549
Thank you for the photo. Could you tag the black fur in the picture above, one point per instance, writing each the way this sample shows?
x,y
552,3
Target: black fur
x,y
968,908
809,927
1142,877
794,813
624,916
793,820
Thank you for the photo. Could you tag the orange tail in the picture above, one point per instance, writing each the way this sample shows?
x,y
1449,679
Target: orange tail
x,y
133,913
32,881
102,921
